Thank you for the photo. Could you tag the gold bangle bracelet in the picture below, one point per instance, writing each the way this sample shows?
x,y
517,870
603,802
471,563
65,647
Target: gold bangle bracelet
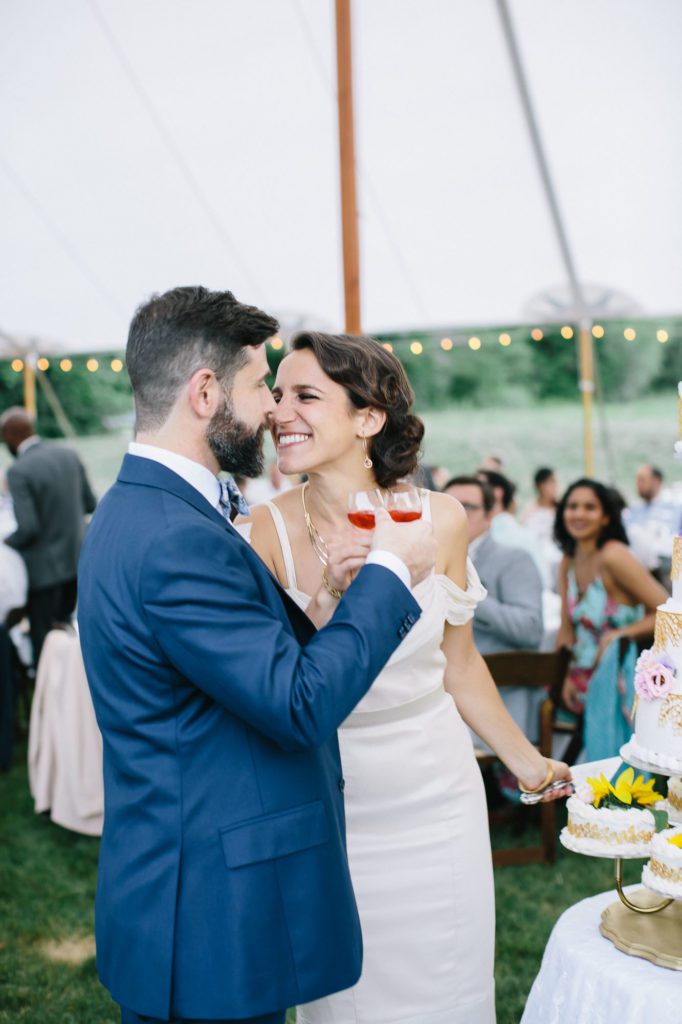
x,y
336,594
549,777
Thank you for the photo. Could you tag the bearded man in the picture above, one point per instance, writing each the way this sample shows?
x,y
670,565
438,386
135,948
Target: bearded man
x,y
223,890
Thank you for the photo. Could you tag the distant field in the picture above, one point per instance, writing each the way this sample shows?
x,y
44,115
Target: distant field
x,y
551,435
640,431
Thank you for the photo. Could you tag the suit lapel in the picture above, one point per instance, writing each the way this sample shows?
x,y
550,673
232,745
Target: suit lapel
x,y
148,473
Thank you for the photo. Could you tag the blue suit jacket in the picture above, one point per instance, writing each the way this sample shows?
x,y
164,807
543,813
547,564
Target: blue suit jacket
x,y
223,885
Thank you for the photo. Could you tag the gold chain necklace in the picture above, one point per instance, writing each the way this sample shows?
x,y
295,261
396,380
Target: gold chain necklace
x,y
319,546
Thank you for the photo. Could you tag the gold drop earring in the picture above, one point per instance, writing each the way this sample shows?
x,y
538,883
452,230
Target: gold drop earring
x,y
367,461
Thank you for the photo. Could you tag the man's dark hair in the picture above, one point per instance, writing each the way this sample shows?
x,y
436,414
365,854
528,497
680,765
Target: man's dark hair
x,y
658,473
610,503
542,474
486,490
175,334
499,480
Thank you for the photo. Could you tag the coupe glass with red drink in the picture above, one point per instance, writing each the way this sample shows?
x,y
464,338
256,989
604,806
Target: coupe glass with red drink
x,y
402,506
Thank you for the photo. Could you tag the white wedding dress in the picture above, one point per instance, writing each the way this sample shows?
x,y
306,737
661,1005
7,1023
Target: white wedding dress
x,y
417,833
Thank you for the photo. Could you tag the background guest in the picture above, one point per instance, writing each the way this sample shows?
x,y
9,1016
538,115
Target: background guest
x,y
539,516
51,496
256,490
653,520
510,617
493,462
505,527
607,595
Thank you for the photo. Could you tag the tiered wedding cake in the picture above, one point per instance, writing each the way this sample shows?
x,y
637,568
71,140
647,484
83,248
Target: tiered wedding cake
x,y
658,684
612,819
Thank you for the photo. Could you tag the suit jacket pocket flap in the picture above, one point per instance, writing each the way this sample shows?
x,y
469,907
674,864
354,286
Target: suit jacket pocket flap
x,y
274,835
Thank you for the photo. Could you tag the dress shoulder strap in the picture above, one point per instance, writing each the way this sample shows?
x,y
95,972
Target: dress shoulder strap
x,y
284,543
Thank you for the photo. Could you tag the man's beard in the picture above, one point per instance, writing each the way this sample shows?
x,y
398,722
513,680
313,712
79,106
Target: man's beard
x,y
236,448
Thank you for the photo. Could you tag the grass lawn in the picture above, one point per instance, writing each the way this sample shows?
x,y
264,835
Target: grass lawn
x,y
47,889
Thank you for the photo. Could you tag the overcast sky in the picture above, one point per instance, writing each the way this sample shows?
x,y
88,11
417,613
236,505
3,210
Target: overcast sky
x,y
149,143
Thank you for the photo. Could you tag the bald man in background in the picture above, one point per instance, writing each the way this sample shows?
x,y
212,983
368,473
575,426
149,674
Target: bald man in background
x,y
51,496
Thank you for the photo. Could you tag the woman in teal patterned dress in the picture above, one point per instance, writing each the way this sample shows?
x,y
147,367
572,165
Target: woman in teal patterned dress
x,y
606,595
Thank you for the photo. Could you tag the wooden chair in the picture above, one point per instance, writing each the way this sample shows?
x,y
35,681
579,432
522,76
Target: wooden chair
x,y
533,670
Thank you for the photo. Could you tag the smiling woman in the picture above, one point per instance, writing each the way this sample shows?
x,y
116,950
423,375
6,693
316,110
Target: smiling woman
x,y
417,837
606,595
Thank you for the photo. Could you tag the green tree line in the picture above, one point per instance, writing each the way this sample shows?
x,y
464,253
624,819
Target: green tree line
x,y
523,371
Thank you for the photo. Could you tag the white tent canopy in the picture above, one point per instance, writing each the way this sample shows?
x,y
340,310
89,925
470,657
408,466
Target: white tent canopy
x,y
150,143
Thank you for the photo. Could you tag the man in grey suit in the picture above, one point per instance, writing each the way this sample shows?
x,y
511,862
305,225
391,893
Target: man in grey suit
x,y
510,617
51,496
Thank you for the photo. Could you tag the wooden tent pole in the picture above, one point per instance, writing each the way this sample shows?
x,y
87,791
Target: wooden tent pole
x,y
586,365
349,212
29,387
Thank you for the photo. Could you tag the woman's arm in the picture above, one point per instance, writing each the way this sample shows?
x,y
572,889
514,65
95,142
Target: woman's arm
x,y
467,677
566,634
631,578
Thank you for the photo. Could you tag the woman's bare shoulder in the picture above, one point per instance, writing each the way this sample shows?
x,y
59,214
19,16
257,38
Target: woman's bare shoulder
x,y
446,512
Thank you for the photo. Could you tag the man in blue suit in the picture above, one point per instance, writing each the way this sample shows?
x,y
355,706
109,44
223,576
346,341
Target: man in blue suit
x,y
223,891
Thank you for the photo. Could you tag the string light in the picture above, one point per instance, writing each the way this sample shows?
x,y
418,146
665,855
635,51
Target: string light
x,y
598,331
277,343
416,348
536,334
92,365
662,336
66,365
116,365
474,343
43,364
17,365
629,334
387,345
446,344
567,332
505,339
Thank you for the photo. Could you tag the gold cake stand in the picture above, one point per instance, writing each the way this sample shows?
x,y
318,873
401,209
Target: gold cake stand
x,y
641,923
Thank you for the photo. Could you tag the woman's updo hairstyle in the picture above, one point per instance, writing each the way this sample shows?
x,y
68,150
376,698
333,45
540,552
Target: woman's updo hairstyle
x,y
372,376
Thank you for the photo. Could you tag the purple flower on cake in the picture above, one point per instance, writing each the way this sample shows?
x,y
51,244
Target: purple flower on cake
x,y
585,793
654,675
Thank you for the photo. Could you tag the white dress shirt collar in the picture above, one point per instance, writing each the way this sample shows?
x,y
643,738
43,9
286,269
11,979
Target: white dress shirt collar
x,y
27,443
198,476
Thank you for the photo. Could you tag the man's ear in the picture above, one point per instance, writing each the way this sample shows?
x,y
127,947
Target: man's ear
x,y
204,393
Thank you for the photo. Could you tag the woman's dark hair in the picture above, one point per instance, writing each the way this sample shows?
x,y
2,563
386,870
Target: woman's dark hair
x,y
372,376
613,530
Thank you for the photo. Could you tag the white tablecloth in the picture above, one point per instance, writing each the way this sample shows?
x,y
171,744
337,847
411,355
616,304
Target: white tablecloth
x,y
64,743
584,979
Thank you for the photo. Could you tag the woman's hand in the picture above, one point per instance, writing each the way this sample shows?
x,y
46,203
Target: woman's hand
x,y
347,554
572,696
605,641
562,773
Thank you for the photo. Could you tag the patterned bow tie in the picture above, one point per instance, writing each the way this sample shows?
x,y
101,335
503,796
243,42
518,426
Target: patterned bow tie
x,y
232,502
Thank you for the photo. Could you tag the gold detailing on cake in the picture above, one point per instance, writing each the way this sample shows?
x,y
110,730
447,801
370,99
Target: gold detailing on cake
x,y
676,570
668,632
605,835
674,800
671,713
664,871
